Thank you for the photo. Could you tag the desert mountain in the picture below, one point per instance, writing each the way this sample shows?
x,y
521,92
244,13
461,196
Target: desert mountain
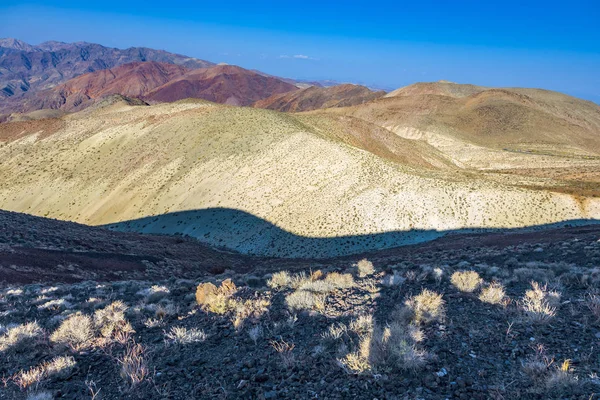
x,y
323,183
156,82
130,80
226,84
313,98
492,128
27,69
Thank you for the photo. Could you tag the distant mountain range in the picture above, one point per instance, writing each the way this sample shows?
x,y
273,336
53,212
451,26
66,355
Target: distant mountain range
x,y
72,76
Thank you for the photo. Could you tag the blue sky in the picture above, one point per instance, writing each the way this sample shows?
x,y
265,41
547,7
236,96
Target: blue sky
x,y
547,44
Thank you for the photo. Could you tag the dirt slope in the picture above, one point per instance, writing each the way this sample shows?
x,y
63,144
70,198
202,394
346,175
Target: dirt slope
x,y
226,84
262,182
313,98
130,80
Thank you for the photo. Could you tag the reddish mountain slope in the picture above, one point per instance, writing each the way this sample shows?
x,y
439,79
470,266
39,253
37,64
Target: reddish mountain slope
x,y
227,84
313,98
130,80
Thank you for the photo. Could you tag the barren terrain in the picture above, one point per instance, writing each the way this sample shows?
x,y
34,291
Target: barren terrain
x,y
316,184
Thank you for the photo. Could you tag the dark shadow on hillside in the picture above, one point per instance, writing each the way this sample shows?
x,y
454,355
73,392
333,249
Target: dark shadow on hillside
x,y
243,232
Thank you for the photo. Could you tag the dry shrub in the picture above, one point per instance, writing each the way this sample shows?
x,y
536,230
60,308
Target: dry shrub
x,y
250,309
16,338
59,366
466,281
593,303
305,300
393,347
279,280
316,275
428,306
76,332
362,325
317,286
285,351
182,335
154,293
354,363
493,293
340,281
539,304
217,300
365,268
561,379
335,331
111,322
134,367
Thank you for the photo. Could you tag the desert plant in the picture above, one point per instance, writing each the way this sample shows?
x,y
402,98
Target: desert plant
x,y
76,332
340,281
428,306
110,321
182,335
134,367
593,303
18,336
305,300
365,268
466,281
285,351
539,304
255,333
493,293
362,325
279,280
58,366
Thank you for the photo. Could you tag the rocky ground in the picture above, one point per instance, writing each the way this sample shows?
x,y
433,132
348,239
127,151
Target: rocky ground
x,y
499,316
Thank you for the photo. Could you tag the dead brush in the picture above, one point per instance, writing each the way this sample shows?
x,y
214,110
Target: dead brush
x,y
59,366
540,304
134,367
593,304
75,332
428,306
466,281
285,351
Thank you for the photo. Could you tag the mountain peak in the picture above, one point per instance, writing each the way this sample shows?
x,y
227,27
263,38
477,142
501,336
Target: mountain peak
x,y
16,44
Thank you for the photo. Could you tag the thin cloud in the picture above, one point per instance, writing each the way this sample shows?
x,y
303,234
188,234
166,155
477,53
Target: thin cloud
x,y
298,57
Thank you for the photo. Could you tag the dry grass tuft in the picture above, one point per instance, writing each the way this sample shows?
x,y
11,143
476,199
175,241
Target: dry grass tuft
x,y
111,322
134,367
217,299
539,304
19,336
76,332
365,268
340,281
182,335
279,280
362,325
593,303
428,306
59,366
466,281
493,293
285,351
305,300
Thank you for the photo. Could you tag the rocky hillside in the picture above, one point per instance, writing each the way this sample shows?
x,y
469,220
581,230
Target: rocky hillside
x,y
225,84
114,315
262,182
27,69
313,98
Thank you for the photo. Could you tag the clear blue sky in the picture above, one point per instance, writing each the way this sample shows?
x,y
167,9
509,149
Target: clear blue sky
x,y
547,44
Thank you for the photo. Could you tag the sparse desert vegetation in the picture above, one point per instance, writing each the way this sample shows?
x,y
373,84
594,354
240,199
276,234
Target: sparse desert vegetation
x,y
409,326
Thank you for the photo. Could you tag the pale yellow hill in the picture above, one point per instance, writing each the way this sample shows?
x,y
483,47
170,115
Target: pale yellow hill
x,y
260,181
